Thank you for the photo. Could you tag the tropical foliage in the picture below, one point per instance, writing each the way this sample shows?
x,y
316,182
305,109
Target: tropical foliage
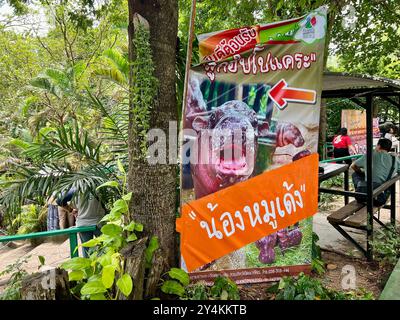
x,y
102,275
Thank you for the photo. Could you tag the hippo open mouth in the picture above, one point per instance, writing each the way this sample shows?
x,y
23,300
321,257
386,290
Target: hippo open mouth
x,y
232,161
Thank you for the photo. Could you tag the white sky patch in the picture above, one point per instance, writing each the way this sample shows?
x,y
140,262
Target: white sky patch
x,y
34,23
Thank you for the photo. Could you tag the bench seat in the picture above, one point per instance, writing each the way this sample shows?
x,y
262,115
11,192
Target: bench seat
x,y
344,212
352,215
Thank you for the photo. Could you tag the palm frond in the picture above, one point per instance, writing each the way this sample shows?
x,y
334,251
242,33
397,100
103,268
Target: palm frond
x,y
28,183
44,83
24,145
118,60
114,75
68,141
115,123
32,183
59,78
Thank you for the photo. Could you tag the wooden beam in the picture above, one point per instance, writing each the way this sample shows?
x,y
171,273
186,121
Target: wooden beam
x,y
351,93
390,100
359,102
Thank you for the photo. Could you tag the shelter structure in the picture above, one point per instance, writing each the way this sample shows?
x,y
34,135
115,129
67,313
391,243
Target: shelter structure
x,y
362,90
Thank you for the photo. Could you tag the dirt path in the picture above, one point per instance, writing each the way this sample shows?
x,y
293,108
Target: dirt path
x,y
367,275
55,252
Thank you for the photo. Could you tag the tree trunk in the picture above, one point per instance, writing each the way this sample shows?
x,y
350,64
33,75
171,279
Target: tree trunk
x,y
134,257
154,187
48,285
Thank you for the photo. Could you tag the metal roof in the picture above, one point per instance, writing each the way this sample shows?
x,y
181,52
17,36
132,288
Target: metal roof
x,y
343,81
347,85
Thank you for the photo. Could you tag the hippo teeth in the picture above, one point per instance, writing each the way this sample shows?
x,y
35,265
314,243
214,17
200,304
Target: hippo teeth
x,y
232,157
231,166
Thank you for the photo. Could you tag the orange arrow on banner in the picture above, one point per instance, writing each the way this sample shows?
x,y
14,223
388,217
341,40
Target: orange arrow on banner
x,y
281,95
227,220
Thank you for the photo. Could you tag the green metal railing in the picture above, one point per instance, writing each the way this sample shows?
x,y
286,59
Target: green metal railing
x,y
391,290
355,156
72,232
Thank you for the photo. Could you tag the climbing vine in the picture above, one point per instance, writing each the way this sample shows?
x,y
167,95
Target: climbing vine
x,y
144,88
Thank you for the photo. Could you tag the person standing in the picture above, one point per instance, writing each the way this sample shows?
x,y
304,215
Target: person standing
x,y
52,214
390,134
342,146
89,211
65,214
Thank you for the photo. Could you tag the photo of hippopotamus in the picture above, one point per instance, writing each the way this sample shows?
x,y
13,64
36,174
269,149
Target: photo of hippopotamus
x,y
229,160
231,117
219,171
284,238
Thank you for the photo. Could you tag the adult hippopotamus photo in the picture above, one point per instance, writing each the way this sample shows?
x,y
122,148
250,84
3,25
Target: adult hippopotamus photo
x,y
217,170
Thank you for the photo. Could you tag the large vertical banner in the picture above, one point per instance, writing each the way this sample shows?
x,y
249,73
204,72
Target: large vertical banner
x,y
250,163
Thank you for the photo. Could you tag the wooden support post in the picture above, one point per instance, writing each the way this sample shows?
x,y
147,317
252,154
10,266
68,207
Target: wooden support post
x,y
359,102
189,52
346,186
392,101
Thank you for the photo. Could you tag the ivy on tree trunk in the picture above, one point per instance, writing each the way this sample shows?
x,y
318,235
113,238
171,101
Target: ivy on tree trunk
x,y
153,187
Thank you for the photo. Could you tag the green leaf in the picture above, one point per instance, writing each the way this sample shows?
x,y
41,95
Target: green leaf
x,y
120,167
130,226
76,275
224,295
111,230
173,287
93,287
179,274
107,276
20,143
127,197
132,237
77,263
152,247
46,130
138,227
119,206
98,296
41,260
116,261
112,217
91,243
95,278
125,284
105,259
112,184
